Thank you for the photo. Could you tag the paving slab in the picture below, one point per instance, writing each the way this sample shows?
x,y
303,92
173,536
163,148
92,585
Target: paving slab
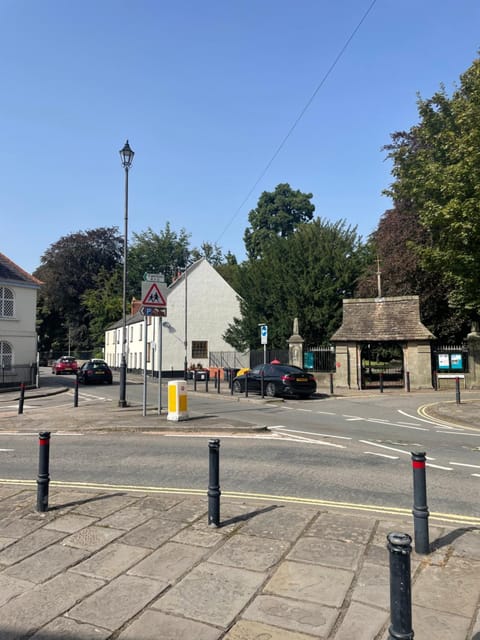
x,y
278,522
211,593
153,533
438,624
331,553
46,564
117,602
128,518
70,523
149,624
111,561
310,582
169,562
361,622
29,545
343,527
11,587
453,588
372,586
38,606
293,615
250,630
250,552
92,537
66,629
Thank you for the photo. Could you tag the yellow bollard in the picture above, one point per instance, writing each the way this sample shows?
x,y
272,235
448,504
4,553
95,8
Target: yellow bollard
x,y
177,400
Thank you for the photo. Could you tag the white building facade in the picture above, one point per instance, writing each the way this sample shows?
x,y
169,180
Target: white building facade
x,y
200,307
18,311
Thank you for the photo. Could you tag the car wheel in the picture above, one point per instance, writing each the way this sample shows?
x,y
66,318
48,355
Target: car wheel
x,y
270,390
237,387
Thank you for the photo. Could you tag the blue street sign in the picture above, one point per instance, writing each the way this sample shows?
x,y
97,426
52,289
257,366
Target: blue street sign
x,y
264,333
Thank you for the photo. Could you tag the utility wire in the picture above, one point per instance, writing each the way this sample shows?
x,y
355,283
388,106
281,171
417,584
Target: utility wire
x,y
299,117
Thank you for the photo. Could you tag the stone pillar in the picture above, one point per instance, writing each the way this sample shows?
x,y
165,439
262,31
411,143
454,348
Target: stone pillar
x,y
295,347
419,360
473,342
346,365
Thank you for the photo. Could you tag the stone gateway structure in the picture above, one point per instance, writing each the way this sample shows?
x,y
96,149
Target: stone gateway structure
x,y
383,325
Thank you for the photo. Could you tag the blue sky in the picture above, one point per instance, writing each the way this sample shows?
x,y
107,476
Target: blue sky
x,y
206,92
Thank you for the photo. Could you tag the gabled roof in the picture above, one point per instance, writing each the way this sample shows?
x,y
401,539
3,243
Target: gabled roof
x,y
11,272
382,320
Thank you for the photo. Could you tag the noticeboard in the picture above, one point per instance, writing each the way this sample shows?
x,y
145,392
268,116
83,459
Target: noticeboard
x,y
450,362
308,360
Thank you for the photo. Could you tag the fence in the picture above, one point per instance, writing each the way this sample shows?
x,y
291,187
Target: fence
x,y
228,360
321,359
14,376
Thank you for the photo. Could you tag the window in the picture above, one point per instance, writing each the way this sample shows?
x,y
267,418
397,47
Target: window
x,y
7,306
140,327
199,349
6,355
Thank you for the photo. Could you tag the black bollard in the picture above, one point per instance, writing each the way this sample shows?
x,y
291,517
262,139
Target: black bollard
x,y
214,483
435,381
75,394
420,509
262,383
43,472
408,381
331,384
246,384
194,380
457,390
399,546
21,398
380,375
230,382
218,381
207,375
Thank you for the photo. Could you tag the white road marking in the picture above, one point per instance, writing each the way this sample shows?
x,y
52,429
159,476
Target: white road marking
x,y
383,446
326,413
7,449
464,464
459,433
310,433
382,455
437,466
404,413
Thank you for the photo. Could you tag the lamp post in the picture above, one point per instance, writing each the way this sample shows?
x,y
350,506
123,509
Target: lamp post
x,y
126,155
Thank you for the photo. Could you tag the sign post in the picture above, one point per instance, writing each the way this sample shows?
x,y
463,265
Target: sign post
x,y
264,340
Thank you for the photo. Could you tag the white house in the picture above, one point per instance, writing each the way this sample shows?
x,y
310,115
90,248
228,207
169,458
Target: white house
x,y
18,310
200,306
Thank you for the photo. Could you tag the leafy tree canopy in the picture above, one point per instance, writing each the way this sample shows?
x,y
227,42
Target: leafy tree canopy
x,y
68,269
278,214
436,166
305,275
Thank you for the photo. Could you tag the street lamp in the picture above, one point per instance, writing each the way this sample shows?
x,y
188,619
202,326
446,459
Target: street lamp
x,y
126,155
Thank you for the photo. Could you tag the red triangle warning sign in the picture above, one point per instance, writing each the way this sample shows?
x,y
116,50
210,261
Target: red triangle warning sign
x,y
154,297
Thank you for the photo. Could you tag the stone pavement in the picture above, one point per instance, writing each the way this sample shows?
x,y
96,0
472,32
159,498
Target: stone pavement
x,y
126,565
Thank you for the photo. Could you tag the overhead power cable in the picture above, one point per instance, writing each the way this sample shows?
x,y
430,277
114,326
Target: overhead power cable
x,y
298,118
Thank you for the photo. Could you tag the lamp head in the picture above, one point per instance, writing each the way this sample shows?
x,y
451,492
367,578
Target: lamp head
x,y
126,154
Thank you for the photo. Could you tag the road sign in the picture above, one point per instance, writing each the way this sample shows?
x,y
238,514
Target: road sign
x,y
264,333
154,277
154,311
154,294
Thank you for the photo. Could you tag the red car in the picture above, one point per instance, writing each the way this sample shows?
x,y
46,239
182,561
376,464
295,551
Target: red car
x,y
65,364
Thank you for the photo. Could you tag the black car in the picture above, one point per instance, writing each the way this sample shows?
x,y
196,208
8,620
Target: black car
x,y
95,371
278,380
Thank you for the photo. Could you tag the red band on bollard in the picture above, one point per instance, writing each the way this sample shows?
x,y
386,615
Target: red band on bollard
x,y
43,441
418,464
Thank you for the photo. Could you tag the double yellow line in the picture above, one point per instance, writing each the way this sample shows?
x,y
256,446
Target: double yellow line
x,y
450,518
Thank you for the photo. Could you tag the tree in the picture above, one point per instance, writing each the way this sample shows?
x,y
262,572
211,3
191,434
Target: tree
x,y
396,244
436,166
103,304
304,276
150,252
278,214
69,268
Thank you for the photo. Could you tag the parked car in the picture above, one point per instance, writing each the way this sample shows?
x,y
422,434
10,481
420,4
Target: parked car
x,y
278,380
93,372
65,364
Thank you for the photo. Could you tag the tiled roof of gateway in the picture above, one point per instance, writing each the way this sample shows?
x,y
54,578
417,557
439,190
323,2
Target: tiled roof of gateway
x,y
9,271
382,319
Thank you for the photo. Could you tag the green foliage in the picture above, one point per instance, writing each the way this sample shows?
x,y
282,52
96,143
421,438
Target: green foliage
x,y
150,252
103,304
397,243
436,166
304,276
278,215
69,268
